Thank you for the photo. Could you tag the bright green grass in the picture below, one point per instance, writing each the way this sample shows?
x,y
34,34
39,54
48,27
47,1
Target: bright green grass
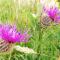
x,y
46,43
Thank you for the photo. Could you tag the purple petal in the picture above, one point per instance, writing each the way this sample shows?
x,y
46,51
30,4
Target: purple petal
x,y
9,33
53,13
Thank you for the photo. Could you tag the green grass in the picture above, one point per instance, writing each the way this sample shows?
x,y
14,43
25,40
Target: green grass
x,y
46,42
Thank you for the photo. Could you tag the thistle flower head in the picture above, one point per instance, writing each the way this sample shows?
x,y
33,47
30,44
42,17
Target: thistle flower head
x,y
53,13
50,7
10,34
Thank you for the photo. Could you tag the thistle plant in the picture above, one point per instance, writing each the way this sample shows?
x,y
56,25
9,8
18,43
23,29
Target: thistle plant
x,y
9,36
48,29
51,11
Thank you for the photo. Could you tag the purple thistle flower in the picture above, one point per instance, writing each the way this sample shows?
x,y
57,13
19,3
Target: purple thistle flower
x,y
10,34
53,13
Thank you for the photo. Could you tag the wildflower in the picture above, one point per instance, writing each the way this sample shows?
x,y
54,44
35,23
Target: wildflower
x,y
10,34
53,13
24,49
50,7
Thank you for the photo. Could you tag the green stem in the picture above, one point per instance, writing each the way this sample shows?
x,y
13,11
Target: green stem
x,y
10,56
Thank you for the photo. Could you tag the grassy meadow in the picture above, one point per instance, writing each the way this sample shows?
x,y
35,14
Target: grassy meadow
x,y
26,15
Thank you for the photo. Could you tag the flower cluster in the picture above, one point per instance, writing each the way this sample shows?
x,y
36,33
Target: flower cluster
x,y
10,34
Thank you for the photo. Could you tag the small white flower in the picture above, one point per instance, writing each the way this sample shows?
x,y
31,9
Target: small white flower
x,y
24,49
34,15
